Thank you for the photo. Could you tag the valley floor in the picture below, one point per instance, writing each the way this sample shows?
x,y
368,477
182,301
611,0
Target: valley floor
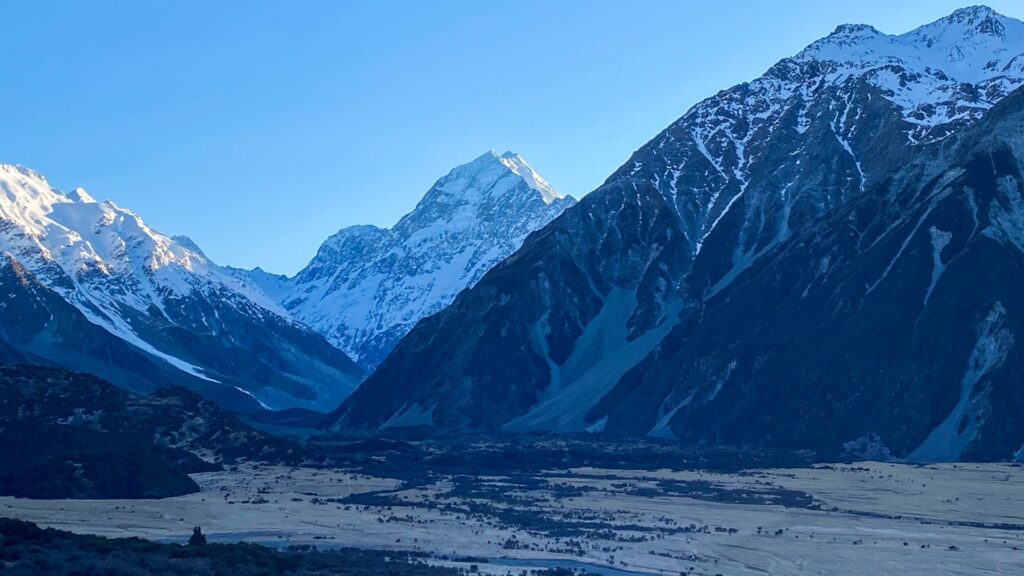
x,y
861,519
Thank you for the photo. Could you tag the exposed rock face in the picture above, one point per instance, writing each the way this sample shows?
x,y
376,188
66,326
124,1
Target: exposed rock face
x,y
659,303
898,316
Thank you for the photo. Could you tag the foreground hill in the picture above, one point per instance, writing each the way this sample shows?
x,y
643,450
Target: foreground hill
x,y
72,435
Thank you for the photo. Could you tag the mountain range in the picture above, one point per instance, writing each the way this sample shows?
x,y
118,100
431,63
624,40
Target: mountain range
x,y
825,257
93,288
828,257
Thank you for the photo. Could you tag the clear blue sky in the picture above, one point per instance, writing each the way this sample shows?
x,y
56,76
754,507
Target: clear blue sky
x,y
260,128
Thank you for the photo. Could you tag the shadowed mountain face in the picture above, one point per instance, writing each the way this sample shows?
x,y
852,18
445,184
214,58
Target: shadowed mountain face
x,y
72,435
662,304
899,317
89,286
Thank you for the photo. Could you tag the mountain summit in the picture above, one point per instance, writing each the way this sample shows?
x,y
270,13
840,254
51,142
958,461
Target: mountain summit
x,y
367,286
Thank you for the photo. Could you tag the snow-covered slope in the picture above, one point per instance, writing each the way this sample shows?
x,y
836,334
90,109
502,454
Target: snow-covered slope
x,y
949,70
161,294
873,93
738,177
368,286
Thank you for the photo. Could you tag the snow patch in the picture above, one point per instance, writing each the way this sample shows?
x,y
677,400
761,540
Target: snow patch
x,y
600,357
250,395
598,427
661,428
940,239
411,415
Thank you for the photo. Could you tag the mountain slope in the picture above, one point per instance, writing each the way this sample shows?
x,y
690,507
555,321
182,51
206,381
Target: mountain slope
x,y
546,335
897,319
368,286
69,259
37,326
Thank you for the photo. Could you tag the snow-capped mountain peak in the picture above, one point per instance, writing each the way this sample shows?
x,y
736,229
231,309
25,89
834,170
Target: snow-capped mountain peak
x,y
25,194
135,282
80,195
85,238
19,171
854,30
519,166
367,286
970,45
489,176
936,80
977,15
